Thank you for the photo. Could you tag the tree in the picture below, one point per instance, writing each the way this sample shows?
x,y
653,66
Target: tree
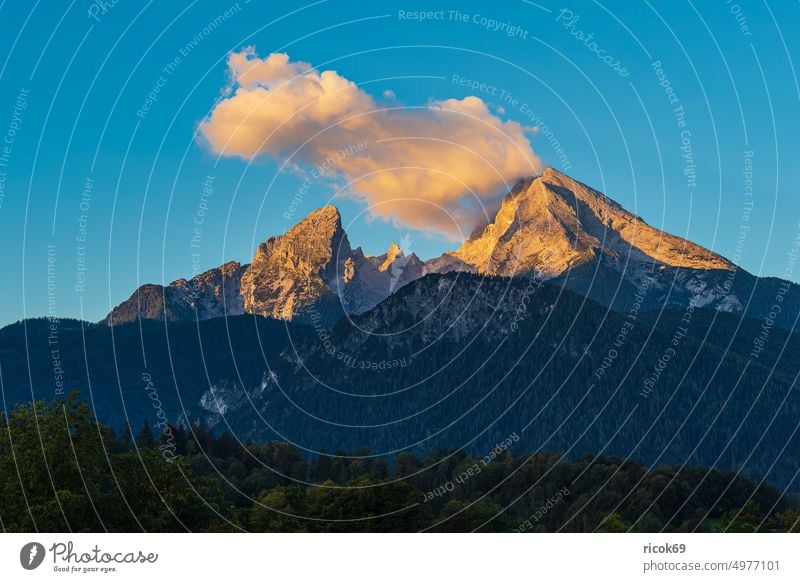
x,y
52,458
746,520
483,516
613,523
145,439
366,505
279,510
406,464
790,520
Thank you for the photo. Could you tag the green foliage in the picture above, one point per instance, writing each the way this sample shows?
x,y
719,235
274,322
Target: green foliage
x,y
60,470
613,523
748,519
790,521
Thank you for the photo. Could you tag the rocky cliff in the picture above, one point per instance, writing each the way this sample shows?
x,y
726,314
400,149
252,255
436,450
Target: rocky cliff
x,y
548,227
308,272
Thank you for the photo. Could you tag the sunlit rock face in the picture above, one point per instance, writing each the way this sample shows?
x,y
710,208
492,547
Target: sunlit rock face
x,y
549,227
553,223
214,293
310,270
553,227
295,270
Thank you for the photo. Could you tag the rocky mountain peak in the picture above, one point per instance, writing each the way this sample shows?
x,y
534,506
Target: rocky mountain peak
x,y
553,223
393,253
295,270
550,225
326,218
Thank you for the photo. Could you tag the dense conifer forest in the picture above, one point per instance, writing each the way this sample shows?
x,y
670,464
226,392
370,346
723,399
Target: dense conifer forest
x,y
62,471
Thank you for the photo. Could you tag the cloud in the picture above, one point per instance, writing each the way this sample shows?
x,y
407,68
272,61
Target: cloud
x,y
429,167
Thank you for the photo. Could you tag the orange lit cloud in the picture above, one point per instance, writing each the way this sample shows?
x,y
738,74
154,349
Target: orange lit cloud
x,y
427,167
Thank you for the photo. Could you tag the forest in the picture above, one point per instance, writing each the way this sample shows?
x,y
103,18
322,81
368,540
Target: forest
x,y
62,471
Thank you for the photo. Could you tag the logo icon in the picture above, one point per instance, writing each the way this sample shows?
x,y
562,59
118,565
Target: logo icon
x,y
31,555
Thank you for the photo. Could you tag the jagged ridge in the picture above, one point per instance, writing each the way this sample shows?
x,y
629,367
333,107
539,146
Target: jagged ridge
x,y
309,271
550,226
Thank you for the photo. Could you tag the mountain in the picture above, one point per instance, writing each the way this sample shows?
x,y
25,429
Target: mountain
x,y
373,279
197,369
214,293
301,268
549,228
450,361
553,223
309,272
462,361
695,364
556,228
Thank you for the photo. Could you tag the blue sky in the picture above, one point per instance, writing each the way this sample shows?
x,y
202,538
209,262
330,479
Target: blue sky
x,y
73,78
